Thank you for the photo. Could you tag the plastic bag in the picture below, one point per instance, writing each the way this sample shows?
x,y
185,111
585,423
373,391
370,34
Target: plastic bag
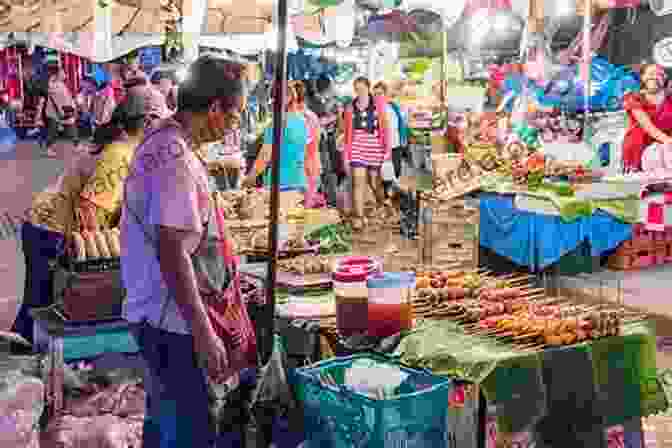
x,y
7,138
273,386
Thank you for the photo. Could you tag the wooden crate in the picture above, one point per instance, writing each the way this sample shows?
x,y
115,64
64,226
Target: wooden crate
x,y
627,259
451,237
370,242
408,254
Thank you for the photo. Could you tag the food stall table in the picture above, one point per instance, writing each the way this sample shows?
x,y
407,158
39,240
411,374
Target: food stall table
x,y
537,241
67,341
589,387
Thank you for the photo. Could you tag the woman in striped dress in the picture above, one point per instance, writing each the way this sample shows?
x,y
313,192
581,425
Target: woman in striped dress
x,y
367,146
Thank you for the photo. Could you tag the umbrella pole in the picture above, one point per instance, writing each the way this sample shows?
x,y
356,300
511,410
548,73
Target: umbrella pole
x,y
586,61
267,326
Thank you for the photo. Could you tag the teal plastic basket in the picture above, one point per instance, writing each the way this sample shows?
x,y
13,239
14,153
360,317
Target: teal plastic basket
x,y
414,415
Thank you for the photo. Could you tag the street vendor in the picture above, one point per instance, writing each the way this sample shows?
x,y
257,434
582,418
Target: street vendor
x,y
85,199
367,144
294,152
650,116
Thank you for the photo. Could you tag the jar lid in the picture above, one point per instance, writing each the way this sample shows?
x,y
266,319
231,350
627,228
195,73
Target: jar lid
x,y
368,263
391,280
351,274
356,260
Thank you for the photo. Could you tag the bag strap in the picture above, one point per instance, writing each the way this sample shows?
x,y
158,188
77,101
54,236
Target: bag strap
x,y
227,250
56,108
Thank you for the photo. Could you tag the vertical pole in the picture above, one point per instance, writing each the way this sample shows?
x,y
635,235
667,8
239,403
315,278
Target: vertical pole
x,y
444,62
586,60
267,322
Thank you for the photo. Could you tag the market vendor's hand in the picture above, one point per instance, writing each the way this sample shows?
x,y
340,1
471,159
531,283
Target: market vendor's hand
x,y
212,351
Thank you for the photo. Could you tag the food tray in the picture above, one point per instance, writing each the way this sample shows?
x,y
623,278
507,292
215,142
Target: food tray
x,y
92,265
289,280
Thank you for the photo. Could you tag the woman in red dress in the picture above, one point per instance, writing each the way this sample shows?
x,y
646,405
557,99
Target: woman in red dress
x,y
649,116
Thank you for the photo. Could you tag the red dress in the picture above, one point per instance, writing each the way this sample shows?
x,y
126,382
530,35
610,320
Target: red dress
x,y
637,139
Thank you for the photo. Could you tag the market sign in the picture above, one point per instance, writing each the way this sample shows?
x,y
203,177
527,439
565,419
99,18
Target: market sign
x,y
662,52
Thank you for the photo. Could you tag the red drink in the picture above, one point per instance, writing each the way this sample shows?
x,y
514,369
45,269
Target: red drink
x,y
386,319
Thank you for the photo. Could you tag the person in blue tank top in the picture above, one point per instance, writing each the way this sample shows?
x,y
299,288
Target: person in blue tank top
x,y
293,150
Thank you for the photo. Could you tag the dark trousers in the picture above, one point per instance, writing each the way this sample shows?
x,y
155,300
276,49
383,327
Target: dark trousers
x,y
55,131
399,155
177,414
331,166
39,246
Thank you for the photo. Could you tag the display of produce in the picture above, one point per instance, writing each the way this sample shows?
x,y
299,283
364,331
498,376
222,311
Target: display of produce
x,y
295,244
96,245
243,204
332,239
307,265
375,216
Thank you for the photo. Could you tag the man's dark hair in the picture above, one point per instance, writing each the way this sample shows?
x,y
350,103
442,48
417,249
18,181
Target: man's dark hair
x,y
211,79
362,80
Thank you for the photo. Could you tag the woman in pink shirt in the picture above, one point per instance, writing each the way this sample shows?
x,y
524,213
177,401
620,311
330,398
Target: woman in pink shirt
x,y
313,163
60,111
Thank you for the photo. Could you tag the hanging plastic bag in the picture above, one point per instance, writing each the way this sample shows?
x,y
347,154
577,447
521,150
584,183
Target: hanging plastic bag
x,y
7,137
273,396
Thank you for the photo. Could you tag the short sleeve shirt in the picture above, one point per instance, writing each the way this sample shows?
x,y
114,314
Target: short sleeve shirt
x,y
167,186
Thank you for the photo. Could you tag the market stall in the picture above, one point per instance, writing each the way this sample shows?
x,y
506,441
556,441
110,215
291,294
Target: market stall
x,y
497,347
550,159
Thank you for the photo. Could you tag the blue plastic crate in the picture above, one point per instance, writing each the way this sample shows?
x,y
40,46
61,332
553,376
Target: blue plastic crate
x,y
415,415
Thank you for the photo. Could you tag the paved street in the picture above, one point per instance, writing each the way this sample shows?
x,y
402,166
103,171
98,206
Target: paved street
x,y
20,177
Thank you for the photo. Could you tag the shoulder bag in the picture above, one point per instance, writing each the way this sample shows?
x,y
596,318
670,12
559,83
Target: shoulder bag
x,y
217,267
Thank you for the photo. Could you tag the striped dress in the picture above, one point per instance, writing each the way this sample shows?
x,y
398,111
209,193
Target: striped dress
x,y
367,148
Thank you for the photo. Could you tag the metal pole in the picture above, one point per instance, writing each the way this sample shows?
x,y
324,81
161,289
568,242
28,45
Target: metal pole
x,y
268,319
587,56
